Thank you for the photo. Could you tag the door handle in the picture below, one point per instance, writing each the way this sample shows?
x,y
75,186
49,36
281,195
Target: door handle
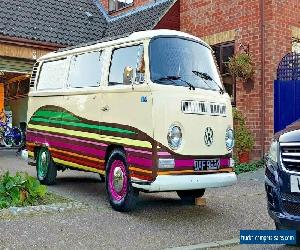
x,y
105,108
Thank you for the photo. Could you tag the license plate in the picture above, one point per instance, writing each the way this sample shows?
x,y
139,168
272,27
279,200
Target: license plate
x,y
295,184
211,164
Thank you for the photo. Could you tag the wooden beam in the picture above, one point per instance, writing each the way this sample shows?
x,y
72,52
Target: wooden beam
x,y
18,51
200,201
18,78
30,43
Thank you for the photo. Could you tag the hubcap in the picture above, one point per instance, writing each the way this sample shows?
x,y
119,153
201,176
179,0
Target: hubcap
x,y
118,179
43,164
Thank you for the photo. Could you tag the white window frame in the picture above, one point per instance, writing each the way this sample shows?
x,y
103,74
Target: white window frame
x,y
139,43
67,59
102,62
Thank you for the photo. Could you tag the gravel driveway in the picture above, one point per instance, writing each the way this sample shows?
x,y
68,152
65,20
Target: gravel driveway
x,y
160,220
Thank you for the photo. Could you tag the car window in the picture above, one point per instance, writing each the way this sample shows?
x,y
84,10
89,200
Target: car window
x,y
85,70
127,63
53,75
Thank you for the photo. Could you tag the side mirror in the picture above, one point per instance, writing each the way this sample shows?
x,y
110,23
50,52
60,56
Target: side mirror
x,y
128,75
139,78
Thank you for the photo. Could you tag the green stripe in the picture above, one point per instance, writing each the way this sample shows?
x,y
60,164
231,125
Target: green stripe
x,y
55,115
83,125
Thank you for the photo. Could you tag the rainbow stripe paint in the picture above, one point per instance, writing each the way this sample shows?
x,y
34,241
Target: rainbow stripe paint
x,y
79,143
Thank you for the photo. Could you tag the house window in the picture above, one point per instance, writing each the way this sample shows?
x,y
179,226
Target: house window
x,y
115,5
223,52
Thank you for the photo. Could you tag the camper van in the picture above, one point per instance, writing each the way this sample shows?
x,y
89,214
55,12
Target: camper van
x,y
147,111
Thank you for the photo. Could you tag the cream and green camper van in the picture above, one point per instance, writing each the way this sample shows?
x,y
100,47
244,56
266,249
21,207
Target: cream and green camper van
x,y
148,112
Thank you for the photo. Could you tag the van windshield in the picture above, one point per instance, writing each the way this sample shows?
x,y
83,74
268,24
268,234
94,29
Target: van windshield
x,y
181,62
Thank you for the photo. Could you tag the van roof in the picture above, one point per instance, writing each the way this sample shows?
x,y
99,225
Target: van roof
x,y
106,42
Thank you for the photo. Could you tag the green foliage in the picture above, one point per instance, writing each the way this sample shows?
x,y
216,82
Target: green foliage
x,y
241,65
244,140
248,167
20,190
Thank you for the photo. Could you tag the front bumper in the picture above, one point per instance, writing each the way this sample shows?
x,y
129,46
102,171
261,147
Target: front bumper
x,y
188,182
283,205
287,221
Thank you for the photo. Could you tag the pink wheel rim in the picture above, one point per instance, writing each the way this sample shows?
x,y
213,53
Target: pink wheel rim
x,y
117,180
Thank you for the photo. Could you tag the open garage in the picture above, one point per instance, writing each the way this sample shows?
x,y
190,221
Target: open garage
x,y
14,88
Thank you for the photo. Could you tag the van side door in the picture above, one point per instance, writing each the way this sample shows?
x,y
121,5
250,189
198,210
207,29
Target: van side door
x,y
80,121
127,105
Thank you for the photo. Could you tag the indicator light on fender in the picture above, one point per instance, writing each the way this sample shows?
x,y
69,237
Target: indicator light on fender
x,y
166,163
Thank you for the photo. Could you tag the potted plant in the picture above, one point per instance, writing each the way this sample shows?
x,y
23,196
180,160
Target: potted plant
x,y
244,140
241,66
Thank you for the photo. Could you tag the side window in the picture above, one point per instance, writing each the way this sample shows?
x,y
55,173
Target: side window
x,y
115,5
127,65
85,70
53,75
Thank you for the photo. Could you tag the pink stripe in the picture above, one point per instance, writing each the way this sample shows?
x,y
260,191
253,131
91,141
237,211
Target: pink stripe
x,y
225,162
140,161
163,154
138,151
74,148
65,137
184,163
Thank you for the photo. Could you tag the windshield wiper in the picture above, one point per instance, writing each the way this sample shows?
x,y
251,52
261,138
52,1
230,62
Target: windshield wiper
x,y
175,78
206,76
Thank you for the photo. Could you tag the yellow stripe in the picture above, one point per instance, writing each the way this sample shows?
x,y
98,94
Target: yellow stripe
x,y
140,170
70,153
30,154
74,154
126,141
75,165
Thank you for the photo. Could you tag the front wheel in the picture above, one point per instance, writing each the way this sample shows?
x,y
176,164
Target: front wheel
x,y
189,196
45,167
122,196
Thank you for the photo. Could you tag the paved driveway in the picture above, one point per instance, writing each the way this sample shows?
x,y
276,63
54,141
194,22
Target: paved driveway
x,y
160,220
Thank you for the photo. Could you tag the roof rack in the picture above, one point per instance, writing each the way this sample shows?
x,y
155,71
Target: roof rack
x,y
105,39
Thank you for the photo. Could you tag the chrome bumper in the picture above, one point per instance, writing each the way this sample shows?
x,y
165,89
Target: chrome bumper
x,y
188,182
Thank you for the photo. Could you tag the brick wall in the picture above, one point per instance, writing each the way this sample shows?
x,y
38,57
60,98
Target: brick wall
x,y
205,18
172,18
239,20
286,16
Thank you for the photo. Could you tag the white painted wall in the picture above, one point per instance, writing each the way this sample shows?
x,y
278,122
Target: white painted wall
x,y
19,110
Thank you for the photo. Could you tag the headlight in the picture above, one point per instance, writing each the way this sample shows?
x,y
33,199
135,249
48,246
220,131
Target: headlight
x,y
229,139
174,137
273,152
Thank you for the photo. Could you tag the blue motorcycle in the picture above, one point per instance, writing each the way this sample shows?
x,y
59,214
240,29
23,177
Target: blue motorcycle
x,y
10,136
